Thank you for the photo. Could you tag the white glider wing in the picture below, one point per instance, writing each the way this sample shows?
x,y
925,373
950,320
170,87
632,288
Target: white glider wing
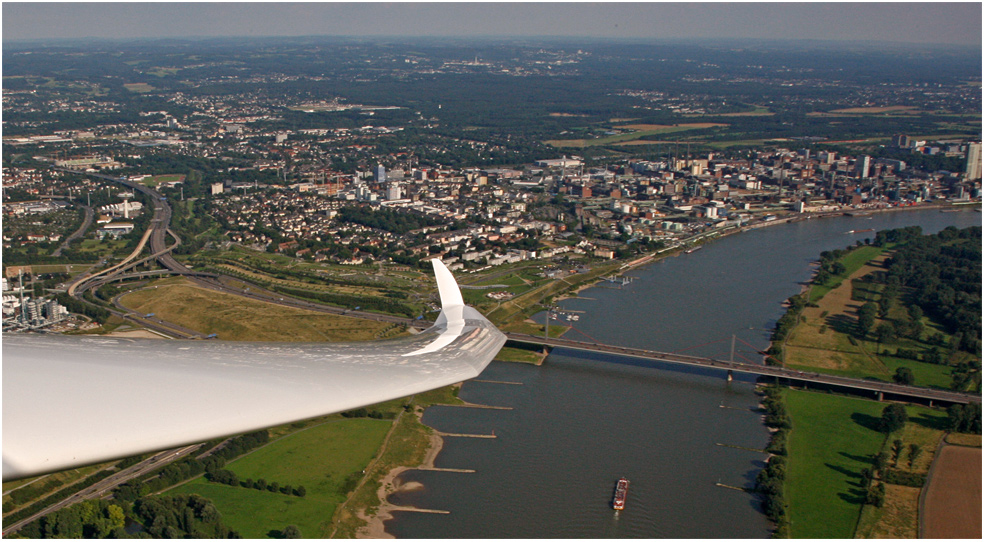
x,y
73,400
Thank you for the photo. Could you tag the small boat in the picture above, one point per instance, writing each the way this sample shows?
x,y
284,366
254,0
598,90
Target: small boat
x,y
619,499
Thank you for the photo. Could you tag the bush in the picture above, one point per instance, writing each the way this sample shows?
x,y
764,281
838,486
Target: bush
x,y
903,478
876,495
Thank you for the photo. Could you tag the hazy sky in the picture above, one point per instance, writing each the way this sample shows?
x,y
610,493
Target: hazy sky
x,y
925,22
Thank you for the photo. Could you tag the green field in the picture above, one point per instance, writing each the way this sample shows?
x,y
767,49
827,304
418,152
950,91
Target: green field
x,y
833,439
138,87
320,458
158,179
519,355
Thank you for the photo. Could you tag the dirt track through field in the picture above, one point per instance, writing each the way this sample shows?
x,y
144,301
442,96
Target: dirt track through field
x,y
953,505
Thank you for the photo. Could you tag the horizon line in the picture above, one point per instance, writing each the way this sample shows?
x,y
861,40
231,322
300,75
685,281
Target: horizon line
x,y
488,37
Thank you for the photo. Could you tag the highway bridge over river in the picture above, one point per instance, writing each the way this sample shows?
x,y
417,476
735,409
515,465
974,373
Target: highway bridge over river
x,y
877,387
160,227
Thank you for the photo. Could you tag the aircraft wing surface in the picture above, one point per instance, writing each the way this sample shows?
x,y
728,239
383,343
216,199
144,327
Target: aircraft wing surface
x,y
77,400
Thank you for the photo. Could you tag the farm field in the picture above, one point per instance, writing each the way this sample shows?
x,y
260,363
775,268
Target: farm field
x,y
237,318
954,496
759,111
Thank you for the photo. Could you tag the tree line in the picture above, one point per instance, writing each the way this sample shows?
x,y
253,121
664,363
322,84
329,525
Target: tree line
x,y
770,481
387,305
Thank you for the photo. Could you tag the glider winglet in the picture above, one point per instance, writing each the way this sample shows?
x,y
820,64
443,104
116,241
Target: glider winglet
x,y
452,315
448,289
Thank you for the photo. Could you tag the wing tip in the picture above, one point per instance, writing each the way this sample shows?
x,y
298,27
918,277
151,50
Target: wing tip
x,y
448,290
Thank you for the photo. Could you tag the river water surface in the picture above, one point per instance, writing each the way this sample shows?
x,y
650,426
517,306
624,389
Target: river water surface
x,y
581,421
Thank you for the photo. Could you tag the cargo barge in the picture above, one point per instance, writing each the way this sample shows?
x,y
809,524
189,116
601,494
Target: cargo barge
x,y
619,499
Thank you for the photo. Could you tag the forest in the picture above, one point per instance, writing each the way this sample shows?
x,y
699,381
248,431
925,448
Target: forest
x,y
942,274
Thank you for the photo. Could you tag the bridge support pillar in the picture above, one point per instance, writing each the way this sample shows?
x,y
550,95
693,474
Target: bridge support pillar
x,y
728,377
880,396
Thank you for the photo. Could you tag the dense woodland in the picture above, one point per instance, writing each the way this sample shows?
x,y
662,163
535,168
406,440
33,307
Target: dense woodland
x,y
942,274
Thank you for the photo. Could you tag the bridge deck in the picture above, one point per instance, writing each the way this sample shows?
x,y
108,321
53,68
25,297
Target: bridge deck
x,y
764,370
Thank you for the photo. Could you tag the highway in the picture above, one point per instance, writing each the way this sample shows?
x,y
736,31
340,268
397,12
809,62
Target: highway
x,y
109,271
109,483
875,386
160,223
86,222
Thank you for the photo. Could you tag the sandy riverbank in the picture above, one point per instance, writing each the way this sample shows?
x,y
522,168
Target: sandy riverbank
x,y
390,484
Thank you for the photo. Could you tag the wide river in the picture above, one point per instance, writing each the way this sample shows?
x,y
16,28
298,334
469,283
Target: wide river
x,y
581,421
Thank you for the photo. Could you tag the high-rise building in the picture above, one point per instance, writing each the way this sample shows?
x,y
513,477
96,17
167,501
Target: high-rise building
x,y
393,191
973,168
901,141
379,174
862,166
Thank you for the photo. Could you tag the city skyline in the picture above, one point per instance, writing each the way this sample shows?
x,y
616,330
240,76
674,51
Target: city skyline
x,y
957,23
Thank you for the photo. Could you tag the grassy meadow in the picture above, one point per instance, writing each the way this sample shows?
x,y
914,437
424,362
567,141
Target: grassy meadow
x,y
833,439
320,458
237,318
